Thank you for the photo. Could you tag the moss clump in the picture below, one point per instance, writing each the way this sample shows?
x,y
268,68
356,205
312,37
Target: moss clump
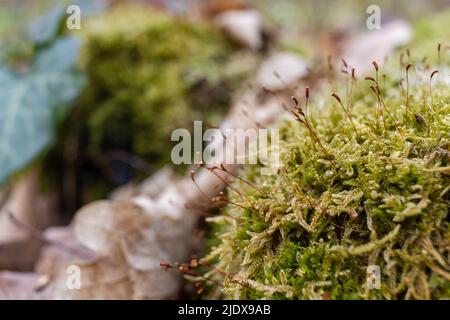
x,y
150,73
379,195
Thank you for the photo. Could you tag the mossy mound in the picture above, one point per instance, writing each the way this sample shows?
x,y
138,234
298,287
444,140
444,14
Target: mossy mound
x,y
150,73
377,194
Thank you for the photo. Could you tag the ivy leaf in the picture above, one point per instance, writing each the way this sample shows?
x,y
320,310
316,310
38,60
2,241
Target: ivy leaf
x,y
61,56
29,103
46,28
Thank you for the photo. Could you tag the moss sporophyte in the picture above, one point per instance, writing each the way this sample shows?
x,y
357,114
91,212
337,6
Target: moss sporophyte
x,y
363,185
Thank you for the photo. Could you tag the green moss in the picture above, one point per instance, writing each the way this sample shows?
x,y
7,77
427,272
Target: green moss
x,y
149,74
378,196
382,199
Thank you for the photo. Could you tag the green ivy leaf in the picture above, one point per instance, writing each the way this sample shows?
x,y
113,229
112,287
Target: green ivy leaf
x,y
46,28
61,56
29,103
